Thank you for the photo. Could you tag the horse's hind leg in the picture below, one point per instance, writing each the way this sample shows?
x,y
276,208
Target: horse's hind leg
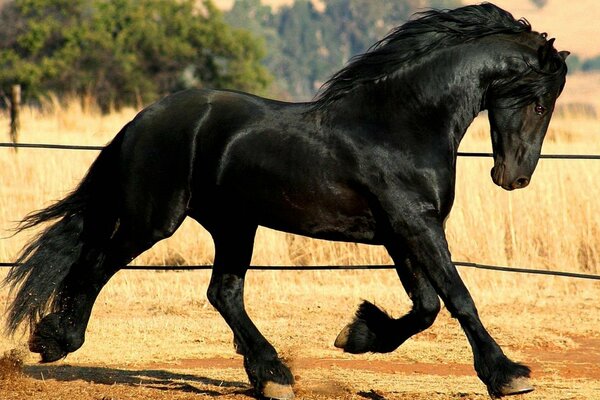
x,y
233,251
63,330
373,330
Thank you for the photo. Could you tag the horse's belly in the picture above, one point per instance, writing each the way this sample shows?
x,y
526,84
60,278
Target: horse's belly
x,y
332,218
306,205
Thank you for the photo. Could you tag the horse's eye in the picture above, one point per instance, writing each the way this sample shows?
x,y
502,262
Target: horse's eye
x,y
539,109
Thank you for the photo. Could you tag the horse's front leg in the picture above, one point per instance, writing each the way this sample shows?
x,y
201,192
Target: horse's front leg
x,y
374,330
423,236
268,374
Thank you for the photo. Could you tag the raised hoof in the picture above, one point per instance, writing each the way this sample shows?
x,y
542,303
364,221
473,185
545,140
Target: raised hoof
x,y
357,338
342,338
516,386
277,391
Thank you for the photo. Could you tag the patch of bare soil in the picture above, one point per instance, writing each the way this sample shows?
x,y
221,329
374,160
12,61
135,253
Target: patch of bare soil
x,y
11,364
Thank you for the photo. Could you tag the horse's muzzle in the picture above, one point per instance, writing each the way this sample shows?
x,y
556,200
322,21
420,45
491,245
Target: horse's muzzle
x,y
499,176
520,182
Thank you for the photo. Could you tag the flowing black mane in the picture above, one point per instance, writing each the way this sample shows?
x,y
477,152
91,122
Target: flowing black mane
x,y
428,31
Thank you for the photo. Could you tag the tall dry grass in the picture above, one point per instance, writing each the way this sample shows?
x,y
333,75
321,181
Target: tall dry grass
x,y
553,224
143,316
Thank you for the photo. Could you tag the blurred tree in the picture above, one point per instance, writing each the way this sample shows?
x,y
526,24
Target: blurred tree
x,y
591,64
539,3
574,63
125,51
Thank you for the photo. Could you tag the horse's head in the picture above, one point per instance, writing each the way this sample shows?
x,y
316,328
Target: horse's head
x,y
520,107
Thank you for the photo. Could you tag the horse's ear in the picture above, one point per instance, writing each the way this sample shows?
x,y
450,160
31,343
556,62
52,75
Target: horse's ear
x,y
564,54
545,52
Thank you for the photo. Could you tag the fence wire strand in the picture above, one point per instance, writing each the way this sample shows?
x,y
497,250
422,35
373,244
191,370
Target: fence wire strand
x,y
465,264
329,267
460,153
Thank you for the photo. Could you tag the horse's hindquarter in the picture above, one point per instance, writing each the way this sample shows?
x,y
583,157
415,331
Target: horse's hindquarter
x,y
269,163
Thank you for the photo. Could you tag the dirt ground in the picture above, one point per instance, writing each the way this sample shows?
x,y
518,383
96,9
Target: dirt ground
x,y
556,374
145,350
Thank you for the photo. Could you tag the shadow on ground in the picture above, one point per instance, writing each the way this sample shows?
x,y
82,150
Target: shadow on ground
x,y
155,379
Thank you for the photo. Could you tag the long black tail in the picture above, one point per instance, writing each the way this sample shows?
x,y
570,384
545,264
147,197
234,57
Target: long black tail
x,y
84,218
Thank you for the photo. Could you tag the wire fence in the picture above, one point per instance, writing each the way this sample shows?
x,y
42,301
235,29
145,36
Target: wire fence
x,y
53,146
465,264
372,267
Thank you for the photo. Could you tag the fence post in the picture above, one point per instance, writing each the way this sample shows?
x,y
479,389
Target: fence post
x,y
15,110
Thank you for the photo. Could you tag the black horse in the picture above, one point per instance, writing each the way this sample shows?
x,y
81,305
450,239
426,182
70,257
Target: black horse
x,y
371,160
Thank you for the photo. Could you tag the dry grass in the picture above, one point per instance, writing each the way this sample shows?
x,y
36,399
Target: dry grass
x,y
158,317
551,224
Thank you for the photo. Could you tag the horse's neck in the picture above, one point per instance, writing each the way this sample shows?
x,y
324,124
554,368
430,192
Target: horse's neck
x,y
449,86
438,95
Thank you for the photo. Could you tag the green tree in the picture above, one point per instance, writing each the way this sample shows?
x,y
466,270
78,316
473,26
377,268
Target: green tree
x,y
125,51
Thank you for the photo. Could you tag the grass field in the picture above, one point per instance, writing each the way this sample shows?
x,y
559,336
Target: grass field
x,y
154,336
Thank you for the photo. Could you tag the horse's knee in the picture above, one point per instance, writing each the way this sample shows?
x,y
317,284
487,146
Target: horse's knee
x,y
213,295
428,311
225,291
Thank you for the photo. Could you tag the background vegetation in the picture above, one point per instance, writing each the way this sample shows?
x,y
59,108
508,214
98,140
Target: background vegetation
x,y
130,52
124,51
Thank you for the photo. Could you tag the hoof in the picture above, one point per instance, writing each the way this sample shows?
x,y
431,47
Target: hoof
x,y
277,391
357,338
516,386
51,341
49,349
342,338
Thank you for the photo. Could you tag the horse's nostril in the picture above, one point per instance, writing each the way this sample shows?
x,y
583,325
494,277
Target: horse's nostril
x,y
521,182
